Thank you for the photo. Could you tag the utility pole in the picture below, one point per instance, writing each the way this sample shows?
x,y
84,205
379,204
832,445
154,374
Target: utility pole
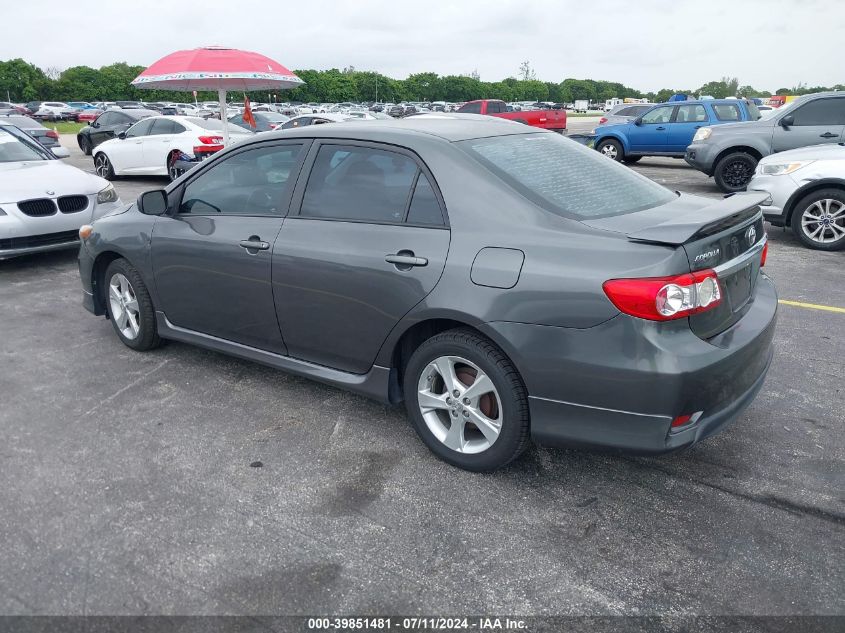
x,y
376,87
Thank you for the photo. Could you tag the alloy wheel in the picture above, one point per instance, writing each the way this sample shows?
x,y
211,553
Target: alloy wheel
x,y
824,221
737,173
460,404
609,151
101,165
124,306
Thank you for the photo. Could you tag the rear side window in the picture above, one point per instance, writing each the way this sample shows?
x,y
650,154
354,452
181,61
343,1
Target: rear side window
x,y
821,112
565,177
424,206
726,111
361,184
690,114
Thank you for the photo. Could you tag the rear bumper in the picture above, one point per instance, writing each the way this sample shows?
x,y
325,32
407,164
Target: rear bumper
x,y
620,384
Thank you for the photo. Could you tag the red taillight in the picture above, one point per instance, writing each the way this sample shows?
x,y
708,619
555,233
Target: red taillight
x,y
681,420
603,120
764,254
53,134
206,149
211,140
665,298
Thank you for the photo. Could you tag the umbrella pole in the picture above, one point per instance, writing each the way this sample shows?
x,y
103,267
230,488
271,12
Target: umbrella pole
x,y
221,96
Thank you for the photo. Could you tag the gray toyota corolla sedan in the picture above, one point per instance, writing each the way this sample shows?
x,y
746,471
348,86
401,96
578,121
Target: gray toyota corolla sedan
x,y
505,283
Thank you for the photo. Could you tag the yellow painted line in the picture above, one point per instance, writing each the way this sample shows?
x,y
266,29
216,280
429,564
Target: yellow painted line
x,y
811,306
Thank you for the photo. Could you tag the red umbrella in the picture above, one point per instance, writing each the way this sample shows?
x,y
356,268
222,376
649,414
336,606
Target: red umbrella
x,y
217,68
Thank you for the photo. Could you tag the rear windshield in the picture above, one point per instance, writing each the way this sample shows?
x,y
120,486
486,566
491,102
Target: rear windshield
x,y
566,177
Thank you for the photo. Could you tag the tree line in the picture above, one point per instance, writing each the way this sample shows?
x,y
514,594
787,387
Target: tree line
x,y
23,81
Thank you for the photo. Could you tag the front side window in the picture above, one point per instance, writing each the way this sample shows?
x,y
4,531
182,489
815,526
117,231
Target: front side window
x,y
565,177
107,118
363,184
829,111
659,115
253,182
141,128
727,112
691,114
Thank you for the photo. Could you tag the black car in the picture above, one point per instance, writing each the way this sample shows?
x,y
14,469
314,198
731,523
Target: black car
x,y
45,136
397,111
107,126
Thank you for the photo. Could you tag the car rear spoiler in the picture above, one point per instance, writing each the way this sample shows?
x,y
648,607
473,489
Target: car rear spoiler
x,y
700,223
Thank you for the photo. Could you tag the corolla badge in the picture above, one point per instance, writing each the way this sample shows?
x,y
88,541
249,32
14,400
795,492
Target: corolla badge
x,y
751,235
707,255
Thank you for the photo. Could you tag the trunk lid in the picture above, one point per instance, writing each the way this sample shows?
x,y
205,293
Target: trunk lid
x,y
724,235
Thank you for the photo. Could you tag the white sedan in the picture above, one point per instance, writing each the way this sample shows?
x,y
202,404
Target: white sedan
x,y
153,146
43,201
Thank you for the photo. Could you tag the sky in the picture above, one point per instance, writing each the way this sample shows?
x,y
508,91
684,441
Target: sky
x,y
644,44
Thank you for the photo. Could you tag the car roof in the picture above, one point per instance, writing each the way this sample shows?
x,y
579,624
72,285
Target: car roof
x,y
449,127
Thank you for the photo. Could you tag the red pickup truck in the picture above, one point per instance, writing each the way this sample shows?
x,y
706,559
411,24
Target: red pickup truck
x,y
546,119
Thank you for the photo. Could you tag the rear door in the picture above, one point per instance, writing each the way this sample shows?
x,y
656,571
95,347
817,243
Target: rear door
x,y
688,118
212,258
157,145
652,135
814,123
365,242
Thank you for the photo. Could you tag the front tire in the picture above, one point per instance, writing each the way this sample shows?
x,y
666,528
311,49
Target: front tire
x,y
129,306
818,220
734,171
103,166
612,149
467,401
85,146
629,160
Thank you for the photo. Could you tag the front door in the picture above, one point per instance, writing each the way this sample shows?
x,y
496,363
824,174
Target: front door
x,y
651,135
127,154
688,119
212,257
368,244
814,123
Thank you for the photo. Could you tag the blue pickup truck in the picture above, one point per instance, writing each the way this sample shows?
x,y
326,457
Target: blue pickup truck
x,y
667,128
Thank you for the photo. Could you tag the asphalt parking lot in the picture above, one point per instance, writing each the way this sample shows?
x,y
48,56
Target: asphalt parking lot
x,y
128,485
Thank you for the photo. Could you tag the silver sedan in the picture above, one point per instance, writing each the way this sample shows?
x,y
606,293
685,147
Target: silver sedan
x,y
806,190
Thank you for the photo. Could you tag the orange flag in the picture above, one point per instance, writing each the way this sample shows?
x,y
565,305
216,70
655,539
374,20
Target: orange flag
x,y
248,118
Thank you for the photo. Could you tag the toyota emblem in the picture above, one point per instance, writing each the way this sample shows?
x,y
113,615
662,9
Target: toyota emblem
x,y
751,235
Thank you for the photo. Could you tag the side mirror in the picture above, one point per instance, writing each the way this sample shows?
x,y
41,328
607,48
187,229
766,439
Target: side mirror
x,y
638,121
786,121
60,152
153,202
121,136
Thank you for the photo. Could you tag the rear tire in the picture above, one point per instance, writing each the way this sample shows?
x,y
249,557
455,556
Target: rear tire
x,y
612,149
820,216
129,306
734,171
478,430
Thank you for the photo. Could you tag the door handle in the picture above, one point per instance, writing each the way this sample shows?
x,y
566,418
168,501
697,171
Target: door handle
x,y
254,244
697,127
405,260
660,128
828,135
